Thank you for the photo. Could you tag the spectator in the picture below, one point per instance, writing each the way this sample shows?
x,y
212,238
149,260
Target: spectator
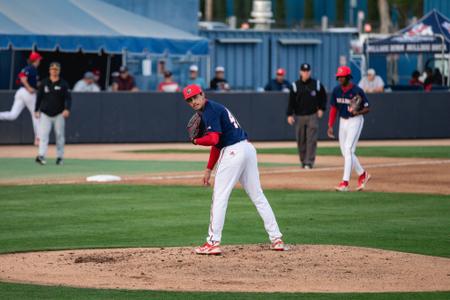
x,y
371,83
168,85
219,83
52,108
86,84
428,80
194,79
125,82
279,83
415,81
97,75
437,77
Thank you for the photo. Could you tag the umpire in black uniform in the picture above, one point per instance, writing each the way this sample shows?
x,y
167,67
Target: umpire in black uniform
x,y
307,103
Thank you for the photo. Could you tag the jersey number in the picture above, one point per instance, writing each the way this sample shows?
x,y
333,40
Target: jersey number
x,y
233,120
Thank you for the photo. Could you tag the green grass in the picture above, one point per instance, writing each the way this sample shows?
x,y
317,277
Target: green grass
x,y
23,291
91,216
378,151
22,168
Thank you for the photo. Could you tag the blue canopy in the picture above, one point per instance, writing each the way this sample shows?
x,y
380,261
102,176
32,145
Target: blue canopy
x,y
90,26
429,34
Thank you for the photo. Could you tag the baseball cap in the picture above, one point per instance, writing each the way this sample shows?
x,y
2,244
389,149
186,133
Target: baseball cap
x,y
343,71
193,68
281,71
305,67
191,91
371,72
123,69
55,65
89,75
34,56
220,69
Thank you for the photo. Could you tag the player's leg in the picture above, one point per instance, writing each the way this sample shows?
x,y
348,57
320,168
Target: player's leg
x,y
354,132
312,130
45,126
301,138
16,108
229,170
251,183
343,133
345,149
30,102
60,136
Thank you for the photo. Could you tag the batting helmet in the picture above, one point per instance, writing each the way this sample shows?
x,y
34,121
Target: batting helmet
x,y
34,56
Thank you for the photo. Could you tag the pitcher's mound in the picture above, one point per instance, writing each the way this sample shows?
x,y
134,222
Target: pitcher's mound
x,y
249,268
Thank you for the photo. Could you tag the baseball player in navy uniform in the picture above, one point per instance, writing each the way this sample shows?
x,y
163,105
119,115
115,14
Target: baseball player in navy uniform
x,y
350,126
237,161
26,94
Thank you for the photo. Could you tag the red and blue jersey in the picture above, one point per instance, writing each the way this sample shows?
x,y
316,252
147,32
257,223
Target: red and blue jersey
x,y
31,74
341,97
217,118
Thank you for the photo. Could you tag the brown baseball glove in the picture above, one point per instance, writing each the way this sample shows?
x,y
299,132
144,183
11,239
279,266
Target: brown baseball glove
x,y
194,127
355,104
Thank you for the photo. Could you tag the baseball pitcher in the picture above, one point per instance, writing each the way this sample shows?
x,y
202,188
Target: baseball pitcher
x,y
214,125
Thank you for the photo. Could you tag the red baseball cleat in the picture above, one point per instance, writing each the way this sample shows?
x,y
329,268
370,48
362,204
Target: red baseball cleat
x,y
278,245
362,180
209,248
342,187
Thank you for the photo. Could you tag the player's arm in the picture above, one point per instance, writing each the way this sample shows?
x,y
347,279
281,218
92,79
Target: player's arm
x,y
209,139
24,80
213,158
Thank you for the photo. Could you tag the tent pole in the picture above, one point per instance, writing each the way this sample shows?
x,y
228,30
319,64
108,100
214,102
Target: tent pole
x,y
11,74
108,70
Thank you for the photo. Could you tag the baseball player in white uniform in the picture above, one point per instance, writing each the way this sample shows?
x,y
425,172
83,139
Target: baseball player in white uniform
x,y
26,94
350,125
236,162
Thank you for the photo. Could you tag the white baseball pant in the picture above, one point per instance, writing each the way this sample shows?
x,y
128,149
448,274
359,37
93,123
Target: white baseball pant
x,y
22,99
238,163
349,132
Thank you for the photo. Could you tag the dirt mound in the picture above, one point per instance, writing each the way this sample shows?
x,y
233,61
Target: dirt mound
x,y
249,268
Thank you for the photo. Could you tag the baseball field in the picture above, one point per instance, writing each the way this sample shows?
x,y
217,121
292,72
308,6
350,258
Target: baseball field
x,y
64,238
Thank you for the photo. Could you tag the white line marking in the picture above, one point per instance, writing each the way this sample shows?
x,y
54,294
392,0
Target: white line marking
x,y
299,170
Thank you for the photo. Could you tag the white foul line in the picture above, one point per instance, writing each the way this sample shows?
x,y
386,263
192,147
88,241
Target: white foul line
x,y
299,170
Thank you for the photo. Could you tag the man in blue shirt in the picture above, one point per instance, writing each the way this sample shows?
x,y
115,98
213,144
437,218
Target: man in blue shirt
x,y
279,83
194,78
26,94
237,162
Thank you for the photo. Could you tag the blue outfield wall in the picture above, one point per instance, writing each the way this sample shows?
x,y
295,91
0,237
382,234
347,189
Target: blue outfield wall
x,y
158,117
252,57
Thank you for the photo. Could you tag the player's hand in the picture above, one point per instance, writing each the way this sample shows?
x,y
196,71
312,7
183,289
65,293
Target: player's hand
x,y
330,133
320,113
37,114
291,120
31,91
66,113
206,177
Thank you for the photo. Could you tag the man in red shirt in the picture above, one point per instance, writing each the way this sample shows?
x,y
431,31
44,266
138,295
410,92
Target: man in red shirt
x,y
125,82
